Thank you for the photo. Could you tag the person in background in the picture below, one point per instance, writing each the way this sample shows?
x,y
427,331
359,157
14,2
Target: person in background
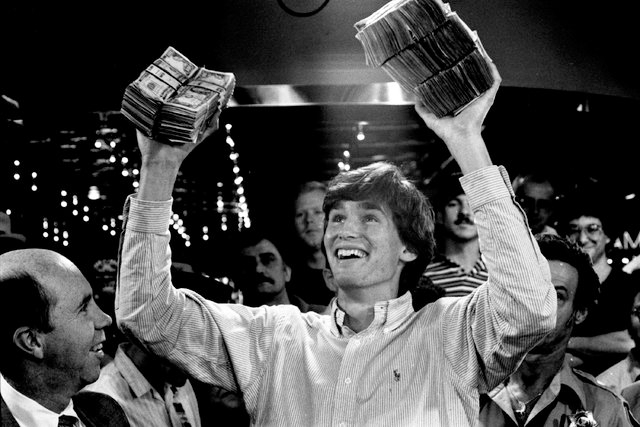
x,y
602,339
458,267
538,197
261,272
545,390
379,358
52,332
150,390
9,241
307,260
627,371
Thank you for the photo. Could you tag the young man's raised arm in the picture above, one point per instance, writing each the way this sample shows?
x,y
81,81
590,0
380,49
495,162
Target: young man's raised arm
x,y
507,316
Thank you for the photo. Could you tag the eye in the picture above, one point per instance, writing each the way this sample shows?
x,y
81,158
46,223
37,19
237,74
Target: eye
x,y
370,218
337,217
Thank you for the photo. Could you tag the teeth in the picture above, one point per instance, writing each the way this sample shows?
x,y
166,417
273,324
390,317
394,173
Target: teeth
x,y
345,253
97,347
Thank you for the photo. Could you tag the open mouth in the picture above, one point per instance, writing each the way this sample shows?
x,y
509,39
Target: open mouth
x,y
344,254
97,349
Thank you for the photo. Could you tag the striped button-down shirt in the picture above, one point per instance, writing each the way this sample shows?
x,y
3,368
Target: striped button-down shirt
x,y
306,369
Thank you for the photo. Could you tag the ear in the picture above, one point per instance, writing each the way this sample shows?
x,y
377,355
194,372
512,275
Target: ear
x,y
30,341
287,273
580,315
407,255
328,279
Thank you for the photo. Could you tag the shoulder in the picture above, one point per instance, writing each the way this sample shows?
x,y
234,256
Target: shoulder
x,y
596,389
99,409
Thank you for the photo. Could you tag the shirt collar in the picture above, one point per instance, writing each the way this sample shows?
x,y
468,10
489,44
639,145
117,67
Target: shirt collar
x,y
27,411
388,315
137,382
564,381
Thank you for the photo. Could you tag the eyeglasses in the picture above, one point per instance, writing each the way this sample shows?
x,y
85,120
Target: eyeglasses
x,y
592,230
531,203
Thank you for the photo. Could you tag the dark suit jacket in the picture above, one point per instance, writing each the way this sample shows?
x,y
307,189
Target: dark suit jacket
x,y
94,410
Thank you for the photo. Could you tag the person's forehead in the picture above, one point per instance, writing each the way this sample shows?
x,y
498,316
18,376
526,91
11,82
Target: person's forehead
x,y
586,220
538,190
564,276
310,198
68,289
361,204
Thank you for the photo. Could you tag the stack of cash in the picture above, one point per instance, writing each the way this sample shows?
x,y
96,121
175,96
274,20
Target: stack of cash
x,y
174,100
429,51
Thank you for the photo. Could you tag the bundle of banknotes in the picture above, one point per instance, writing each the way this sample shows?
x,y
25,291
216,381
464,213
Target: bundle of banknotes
x,y
425,47
174,100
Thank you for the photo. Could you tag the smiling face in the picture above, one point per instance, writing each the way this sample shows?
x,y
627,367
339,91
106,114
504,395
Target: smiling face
x,y
363,247
457,219
588,233
309,218
73,349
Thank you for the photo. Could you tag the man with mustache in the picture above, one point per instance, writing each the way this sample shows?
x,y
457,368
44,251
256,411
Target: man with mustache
x,y
458,267
261,272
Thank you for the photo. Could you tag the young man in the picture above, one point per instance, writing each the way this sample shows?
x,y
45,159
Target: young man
x,y
458,268
378,358
52,333
545,390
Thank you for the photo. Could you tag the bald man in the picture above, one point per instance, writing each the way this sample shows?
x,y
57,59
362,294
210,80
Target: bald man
x,y
52,332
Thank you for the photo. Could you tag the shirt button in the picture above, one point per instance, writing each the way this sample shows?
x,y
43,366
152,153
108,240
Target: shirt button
x,y
356,342
347,380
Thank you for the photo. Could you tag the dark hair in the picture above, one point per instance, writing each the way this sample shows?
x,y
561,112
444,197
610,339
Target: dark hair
x,y
448,188
520,182
592,200
252,236
384,183
21,290
556,248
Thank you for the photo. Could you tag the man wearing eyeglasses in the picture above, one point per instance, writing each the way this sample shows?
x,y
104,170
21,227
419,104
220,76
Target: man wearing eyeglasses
x,y
602,340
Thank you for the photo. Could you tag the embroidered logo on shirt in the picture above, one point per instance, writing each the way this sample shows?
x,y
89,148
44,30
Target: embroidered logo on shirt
x,y
396,375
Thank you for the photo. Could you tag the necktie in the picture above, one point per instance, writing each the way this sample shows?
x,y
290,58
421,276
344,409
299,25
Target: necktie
x,y
67,421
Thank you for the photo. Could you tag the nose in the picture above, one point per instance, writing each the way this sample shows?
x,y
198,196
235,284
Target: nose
x,y
583,238
103,319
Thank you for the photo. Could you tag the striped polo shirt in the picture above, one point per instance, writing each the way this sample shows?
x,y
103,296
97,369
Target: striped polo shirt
x,y
451,277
